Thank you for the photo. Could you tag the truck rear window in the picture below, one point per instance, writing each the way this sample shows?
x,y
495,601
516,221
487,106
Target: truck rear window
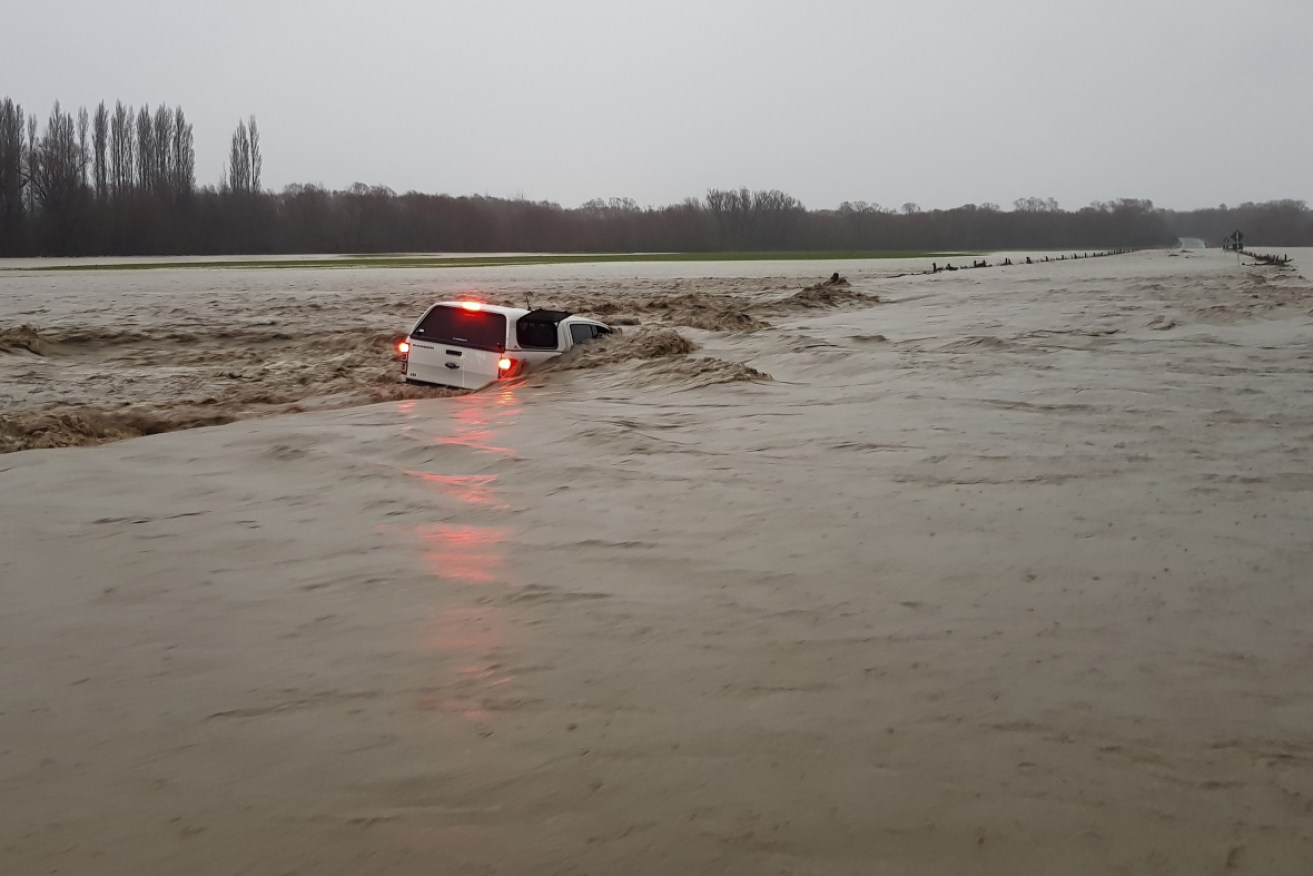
x,y
461,327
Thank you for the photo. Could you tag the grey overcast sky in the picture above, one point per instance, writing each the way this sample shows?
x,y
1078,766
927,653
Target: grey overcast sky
x,y
1189,103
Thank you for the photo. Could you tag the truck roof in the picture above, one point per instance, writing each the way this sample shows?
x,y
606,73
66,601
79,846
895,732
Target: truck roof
x,y
541,315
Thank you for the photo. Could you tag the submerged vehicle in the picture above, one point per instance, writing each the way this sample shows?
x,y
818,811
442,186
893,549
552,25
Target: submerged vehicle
x,y
470,344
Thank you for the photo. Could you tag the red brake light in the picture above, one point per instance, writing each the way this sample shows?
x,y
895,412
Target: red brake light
x,y
505,364
473,306
403,347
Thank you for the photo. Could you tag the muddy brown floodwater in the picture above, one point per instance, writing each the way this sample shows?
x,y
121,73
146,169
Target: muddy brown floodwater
x,y
75,373
999,571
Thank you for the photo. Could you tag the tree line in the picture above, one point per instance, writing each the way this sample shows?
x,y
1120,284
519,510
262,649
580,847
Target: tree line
x,y
122,182
118,181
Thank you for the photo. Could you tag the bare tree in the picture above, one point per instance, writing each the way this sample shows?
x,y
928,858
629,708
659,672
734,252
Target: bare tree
x,y
184,155
146,176
33,154
239,160
731,210
122,150
1036,205
754,220
84,152
57,178
99,143
774,215
257,161
12,176
162,141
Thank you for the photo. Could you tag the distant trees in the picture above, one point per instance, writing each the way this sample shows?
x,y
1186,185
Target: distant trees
x,y
183,161
99,145
122,181
31,164
56,178
750,220
13,179
1274,223
146,155
84,150
95,183
244,161
1036,205
121,151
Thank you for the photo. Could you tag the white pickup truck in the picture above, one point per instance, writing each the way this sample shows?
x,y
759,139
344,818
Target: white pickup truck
x,y
469,344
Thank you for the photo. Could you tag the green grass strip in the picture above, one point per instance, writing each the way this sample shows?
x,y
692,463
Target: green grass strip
x,y
496,261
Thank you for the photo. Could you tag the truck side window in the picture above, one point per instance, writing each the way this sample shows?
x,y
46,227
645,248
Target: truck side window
x,y
532,334
582,334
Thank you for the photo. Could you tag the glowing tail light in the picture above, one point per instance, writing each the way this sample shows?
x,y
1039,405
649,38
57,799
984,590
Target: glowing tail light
x,y
472,306
403,348
505,364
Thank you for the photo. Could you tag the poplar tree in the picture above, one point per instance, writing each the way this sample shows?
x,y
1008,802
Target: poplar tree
x,y
183,161
162,142
99,143
244,160
121,150
146,155
12,177
84,151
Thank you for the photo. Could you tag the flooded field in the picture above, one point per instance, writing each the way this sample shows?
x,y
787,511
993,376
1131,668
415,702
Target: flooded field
x,y
1002,571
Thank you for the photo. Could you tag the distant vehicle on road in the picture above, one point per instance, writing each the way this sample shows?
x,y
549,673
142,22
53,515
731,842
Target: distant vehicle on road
x,y
470,344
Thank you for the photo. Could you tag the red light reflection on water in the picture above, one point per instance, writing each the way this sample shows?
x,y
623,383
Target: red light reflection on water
x,y
474,634
475,439
476,415
468,638
463,553
473,489
469,631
